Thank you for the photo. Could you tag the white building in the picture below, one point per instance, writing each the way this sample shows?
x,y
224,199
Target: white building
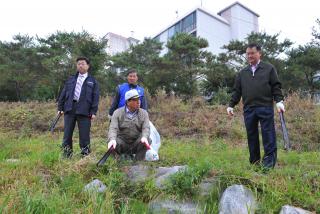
x,y
117,43
234,22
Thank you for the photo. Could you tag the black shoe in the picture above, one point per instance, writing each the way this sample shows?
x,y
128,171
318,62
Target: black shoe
x,y
85,151
67,154
66,151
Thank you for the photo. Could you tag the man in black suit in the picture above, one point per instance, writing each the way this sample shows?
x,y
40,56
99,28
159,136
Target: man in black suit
x,y
259,86
78,102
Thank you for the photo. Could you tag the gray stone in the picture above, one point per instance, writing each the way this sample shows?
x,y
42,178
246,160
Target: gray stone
x,y
138,173
167,206
237,199
206,186
12,160
293,210
163,173
95,186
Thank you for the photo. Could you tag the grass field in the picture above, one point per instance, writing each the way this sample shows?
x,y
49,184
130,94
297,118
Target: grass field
x,y
35,179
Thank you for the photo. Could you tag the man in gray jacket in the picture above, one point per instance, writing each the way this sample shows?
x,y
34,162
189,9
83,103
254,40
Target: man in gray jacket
x,y
129,130
259,86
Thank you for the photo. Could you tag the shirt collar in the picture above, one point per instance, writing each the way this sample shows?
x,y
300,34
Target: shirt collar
x,y
129,112
84,75
256,65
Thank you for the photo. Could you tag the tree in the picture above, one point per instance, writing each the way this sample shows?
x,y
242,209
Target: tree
x,y
316,33
218,75
305,61
20,68
187,58
145,58
60,51
273,51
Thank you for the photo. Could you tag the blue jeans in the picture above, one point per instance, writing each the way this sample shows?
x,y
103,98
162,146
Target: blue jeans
x,y
264,115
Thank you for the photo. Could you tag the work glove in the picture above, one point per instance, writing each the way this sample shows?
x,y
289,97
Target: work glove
x,y
230,111
112,143
60,112
280,106
109,116
144,140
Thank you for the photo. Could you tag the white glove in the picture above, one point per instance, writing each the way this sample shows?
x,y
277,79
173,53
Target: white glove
x,y
109,116
280,106
60,112
112,143
230,111
144,140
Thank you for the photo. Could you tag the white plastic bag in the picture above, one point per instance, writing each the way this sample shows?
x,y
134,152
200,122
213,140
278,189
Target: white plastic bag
x,y
152,154
155,137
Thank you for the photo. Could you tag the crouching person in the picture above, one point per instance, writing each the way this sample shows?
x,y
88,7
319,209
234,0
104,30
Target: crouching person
x,y
129,130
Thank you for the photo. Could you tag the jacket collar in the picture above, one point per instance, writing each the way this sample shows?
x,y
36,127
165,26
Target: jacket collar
x,y
77,74
260,65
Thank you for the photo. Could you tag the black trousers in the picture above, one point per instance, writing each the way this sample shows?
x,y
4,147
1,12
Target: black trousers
x,y
135,147
84,125
265,116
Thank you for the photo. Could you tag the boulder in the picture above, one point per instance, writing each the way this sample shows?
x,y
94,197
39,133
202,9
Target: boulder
x,y
95,186
206,186
163,173
169,206
237,199
293,210
138,173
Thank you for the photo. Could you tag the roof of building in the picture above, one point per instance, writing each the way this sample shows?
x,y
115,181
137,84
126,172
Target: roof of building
x,y
219,18
238,3
121,37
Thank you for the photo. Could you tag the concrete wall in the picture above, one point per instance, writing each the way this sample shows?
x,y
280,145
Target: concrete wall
x,y
215,31
242,21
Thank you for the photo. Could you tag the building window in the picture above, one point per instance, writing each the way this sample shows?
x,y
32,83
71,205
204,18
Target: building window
x,y
157,38
171,32
189,23
177,28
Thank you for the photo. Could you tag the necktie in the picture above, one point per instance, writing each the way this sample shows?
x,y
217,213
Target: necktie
x,y
77,90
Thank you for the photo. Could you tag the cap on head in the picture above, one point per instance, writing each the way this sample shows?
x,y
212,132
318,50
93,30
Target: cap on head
x,y
133,93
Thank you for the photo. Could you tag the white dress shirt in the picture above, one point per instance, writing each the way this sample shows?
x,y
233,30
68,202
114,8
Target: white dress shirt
x,y
77,91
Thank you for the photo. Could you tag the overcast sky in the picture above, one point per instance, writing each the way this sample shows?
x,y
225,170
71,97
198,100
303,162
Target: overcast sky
x,y
293,19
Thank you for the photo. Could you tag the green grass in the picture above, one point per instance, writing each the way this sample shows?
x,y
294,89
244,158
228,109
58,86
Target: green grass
x,y
40,181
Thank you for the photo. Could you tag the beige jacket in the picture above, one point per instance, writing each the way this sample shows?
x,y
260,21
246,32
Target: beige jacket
x,y
128,129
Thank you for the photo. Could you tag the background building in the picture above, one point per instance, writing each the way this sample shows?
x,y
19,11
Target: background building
x,y
234,22
118,43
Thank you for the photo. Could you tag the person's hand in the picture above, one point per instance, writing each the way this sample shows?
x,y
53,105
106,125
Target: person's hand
x,y
144,140
112,143
109,116
93,117
280,106
230,111
60,112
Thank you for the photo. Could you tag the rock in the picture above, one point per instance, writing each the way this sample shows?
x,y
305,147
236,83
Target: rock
x,y
12,160
138,173
167,206
163,173
293,210
205,187
237,199
95,186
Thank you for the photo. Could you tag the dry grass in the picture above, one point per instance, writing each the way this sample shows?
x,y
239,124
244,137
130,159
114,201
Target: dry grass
x,y
174,119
